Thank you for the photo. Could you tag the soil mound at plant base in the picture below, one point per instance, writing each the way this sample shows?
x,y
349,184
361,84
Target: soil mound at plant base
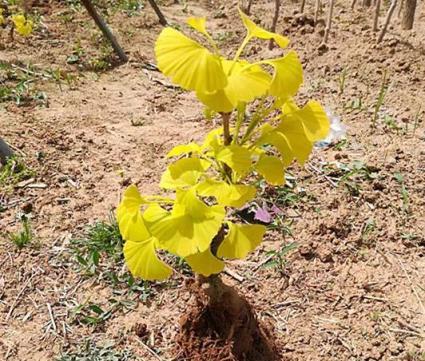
x,y
221,325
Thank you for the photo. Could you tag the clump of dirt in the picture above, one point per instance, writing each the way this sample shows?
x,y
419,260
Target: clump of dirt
x,y
221,325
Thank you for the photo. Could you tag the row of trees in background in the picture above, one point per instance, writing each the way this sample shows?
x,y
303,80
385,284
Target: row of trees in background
x,y
407,10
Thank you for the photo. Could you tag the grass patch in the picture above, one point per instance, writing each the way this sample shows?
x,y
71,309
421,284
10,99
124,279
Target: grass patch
x,y
13,172
23,237
351,175
89,351
18,83
100,249
99,253
277,259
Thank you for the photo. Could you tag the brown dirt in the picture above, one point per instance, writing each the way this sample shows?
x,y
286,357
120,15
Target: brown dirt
x,y
221,325
354,289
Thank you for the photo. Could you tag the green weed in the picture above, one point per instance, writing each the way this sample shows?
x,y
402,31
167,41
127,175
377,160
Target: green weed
x,y
277,259
368,227
355,104
342,79
89,351
92,314
13,172
416,120
102,243
403,192
351,175
99,253
380,100
24,236
18,83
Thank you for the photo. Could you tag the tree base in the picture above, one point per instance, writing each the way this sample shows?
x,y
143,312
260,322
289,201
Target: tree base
x,y
221,325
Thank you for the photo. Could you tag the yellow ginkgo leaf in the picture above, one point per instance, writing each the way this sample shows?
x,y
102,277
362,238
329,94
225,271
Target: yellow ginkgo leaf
x,y
130,222
240,240
183,173
190,226
280,142
314,120
2,19
289,107
272,169
23,25
298,130
236,157
142,261
245,82
239,195
248,83
254,31
188,63
184,149
231,195
198,24
217,101
288,75
299,145
213,140
205,263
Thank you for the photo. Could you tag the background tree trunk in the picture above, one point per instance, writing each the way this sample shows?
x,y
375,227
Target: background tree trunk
x,y
367,3
158,13
302,6
248,7
5,152
376,17
408,15
400,8
105,29
317,10
387,20
275,19
329,21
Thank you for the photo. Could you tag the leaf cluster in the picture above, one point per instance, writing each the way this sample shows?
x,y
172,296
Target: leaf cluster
x,y
263,131
22,24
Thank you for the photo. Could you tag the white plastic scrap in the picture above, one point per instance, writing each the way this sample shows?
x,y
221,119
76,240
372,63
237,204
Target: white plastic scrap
x,y
337,130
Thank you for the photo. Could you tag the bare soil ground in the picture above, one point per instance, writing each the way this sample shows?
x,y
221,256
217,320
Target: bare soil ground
x,y
353,289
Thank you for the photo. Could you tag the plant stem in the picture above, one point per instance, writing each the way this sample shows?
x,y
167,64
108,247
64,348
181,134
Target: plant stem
x,y
239,119
227,139
226,128
241,48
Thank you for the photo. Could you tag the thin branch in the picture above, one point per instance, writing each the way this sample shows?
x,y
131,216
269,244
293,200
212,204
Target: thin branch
x,y
275,19
158,13
376,17
329,21
302,6
387,20
317,10
101,24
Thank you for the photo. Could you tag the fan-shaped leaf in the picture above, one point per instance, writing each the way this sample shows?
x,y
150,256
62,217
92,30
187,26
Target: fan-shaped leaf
x,y
271,168
241,240
143,262
205,263
188,63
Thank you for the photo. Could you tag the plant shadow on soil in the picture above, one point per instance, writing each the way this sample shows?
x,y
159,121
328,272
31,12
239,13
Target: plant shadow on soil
x,y
221,325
